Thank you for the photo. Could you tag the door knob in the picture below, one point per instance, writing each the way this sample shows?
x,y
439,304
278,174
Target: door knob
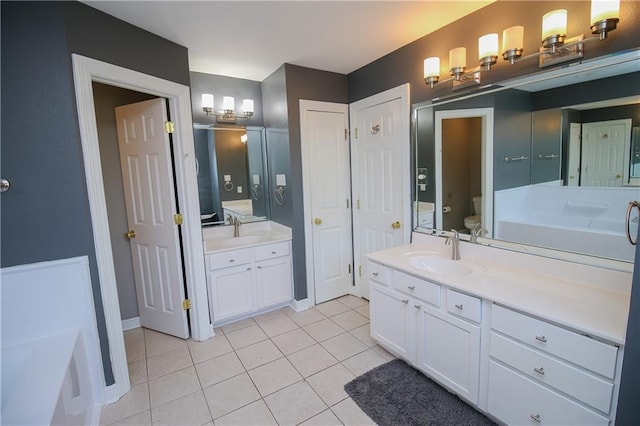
x,y
130,234
317,221
396,225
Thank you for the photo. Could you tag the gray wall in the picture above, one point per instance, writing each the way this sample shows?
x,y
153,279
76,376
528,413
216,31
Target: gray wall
x,y
45,215
106,98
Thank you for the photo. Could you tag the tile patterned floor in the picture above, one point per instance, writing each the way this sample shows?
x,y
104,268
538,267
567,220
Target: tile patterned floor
x,y
280,368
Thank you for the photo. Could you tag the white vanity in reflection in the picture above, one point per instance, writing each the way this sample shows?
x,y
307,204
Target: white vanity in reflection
x,y
249,274
525,339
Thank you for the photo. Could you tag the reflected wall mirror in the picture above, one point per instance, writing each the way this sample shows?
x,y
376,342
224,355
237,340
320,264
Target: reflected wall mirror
x,y
550,160
231,169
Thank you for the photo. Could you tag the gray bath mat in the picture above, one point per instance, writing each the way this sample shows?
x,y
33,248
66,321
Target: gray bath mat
x,y
397,394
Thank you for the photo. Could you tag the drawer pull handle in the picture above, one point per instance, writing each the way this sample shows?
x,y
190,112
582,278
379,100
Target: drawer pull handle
x,y
248,269
458,306
539,370
536,418
231,260
273,252
417,306
375,274
412,287
541,339
259,267
405,301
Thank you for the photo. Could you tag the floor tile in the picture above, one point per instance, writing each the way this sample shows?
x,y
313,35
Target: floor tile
x,y
274,376
277,325
218,369
363,333
364,361
344,346
311,360
191,409
227,396
295,404
159,343
352,301
293,341
173,386
255,414
246,336
258,354
350,414
210,348
331,308
134,345
364,311
278,313
326,418
138,372
329,383
133,402
141,419
168,362
306,317
384,353
237,325
349,320
323,330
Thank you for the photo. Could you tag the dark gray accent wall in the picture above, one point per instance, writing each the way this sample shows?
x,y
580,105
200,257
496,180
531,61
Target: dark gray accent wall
x,y
45,215
406,64
220,86
106,98
546,140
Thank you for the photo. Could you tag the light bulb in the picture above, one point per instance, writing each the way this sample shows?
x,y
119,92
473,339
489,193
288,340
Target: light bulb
x,y
554,23
247,106
432,67
207,100
228,103
513,38
604,9
458,57
488,46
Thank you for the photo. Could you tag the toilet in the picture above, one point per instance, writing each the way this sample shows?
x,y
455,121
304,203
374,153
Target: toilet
x,y
471,221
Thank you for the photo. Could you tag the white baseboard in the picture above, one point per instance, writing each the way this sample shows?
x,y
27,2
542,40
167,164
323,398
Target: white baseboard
x,y
300,305
131,323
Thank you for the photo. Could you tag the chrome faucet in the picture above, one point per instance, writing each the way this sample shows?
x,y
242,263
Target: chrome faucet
x,y
477,231
454,240
236,227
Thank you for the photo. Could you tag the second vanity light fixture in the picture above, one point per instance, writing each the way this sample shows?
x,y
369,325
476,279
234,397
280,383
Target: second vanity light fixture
x,y
555,47
228,113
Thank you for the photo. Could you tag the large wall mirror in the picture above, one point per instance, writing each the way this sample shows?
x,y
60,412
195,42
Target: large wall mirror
x,y
550,160
231,169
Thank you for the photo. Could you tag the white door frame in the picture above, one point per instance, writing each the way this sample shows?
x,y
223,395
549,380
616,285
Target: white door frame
x,y
400,92
306,105
487,162
85,72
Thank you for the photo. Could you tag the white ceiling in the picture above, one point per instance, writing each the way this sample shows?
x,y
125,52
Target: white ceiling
x,y
251,39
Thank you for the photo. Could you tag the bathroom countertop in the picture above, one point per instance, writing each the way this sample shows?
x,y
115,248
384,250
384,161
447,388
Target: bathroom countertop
x,y
220,239
547,288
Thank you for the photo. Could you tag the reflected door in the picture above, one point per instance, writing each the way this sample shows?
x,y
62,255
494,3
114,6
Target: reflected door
x,y
605,148
150,199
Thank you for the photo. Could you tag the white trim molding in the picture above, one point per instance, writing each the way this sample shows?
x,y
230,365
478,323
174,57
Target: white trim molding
x,y
85,72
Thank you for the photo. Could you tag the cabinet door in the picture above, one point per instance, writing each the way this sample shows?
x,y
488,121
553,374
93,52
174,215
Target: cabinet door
x,y
392,321
274,283
450,352
230,292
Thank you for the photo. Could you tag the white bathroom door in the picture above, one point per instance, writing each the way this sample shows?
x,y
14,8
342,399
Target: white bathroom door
x,y
327,198
380,174
573,170
147,172
605,153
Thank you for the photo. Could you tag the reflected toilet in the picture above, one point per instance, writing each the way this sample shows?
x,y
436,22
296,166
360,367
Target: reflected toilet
x,y
472,221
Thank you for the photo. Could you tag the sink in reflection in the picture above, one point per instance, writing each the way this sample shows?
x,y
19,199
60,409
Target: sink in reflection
x,y
243,240
440,265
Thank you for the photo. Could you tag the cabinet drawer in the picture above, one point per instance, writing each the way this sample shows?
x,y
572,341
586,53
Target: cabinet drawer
x,y
421,289
544,369
581,350
463,305
517,400
378,273
270,251
229,258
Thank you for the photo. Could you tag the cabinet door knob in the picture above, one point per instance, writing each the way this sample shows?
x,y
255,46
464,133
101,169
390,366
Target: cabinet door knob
x,y
396,225
405,301
231,260
541,339
317,221
417,306
412,287
458,306
536,418
130,234
273,252
375,274
539,370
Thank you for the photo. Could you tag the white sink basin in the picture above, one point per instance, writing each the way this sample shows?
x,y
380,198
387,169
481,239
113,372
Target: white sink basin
x,y
440,265
243,240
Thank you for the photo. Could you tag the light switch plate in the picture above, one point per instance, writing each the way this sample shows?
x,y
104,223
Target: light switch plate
x,y
227,178
281,180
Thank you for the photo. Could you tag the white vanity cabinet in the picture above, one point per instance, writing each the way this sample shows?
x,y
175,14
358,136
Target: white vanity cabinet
x,y
542,373
248,280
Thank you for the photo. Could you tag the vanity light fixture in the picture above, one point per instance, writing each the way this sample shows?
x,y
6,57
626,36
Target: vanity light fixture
x,y
228,113
555,47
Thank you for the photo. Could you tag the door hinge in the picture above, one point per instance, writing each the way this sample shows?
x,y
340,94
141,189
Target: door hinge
x,y
349,267
356,133
169,127
347,203
360,271
358,204
178,219
346,134
186,304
